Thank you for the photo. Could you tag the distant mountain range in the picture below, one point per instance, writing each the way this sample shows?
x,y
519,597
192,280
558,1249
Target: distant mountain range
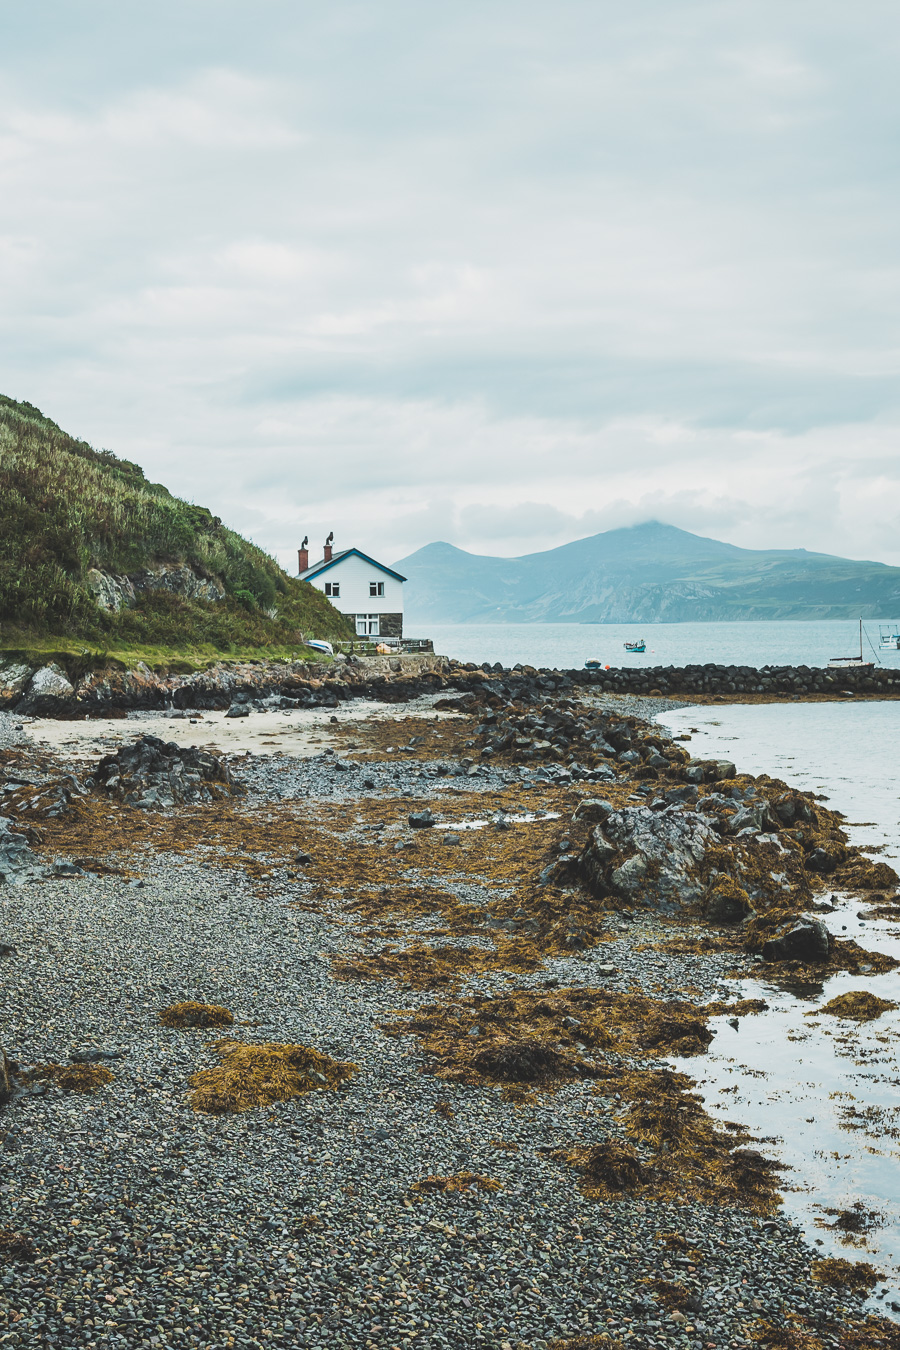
x,y
647,573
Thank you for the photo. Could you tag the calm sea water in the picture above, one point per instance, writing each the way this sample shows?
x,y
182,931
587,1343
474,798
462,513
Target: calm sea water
x,y
827,1090
566,646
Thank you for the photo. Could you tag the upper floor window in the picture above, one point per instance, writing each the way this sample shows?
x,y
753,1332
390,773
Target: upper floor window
x,y
333,588
376,588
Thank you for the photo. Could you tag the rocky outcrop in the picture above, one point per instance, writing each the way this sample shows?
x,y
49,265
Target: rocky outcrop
x,y
114,592
156,774
48,689
649,858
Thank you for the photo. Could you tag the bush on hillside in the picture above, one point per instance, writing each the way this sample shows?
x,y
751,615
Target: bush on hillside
x,y
67,507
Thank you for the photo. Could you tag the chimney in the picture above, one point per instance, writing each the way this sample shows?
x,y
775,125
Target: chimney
x,y
303,556
328,543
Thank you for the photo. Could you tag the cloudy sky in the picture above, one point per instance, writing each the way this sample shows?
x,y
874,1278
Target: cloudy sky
x,y
498,272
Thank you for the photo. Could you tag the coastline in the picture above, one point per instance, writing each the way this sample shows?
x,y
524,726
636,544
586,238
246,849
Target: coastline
x,y
340,1203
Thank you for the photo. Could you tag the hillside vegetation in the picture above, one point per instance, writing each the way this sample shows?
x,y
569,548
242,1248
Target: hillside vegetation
x,y
650,573
66,508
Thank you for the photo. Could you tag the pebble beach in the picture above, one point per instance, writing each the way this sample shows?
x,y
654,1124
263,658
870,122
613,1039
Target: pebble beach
x,y
400,1207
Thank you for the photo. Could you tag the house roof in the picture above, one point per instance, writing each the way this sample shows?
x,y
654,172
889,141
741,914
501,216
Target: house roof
x,y
339,557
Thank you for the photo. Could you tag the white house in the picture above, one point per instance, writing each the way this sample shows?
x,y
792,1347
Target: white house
x,y
370,593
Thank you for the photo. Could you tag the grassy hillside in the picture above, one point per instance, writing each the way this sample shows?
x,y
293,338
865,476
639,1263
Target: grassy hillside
x,y
66,508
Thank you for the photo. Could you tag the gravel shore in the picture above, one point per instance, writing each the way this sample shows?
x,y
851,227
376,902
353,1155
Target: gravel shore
x,y
296,1225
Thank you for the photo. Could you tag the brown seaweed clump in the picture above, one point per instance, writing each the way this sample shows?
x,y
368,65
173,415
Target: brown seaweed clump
x,y
461,1181
870,1333
684,1154
599,1342
70,1077
542,1037
258,1075
844,1274
858,1005
16,1246
196,1015
613,1168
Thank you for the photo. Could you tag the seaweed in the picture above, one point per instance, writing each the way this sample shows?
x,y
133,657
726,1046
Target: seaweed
x,y
857,1005
250,1076
70,1077
844,1274
196,1015
16,1246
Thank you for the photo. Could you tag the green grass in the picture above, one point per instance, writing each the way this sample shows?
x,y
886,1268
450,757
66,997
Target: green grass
x,y
66,508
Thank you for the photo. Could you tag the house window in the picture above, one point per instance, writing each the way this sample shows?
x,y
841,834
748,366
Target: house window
x,y
333,588
376,588
368,625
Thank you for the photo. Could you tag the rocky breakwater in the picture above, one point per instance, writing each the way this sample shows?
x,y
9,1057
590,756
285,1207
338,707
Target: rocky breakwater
x,y
693,680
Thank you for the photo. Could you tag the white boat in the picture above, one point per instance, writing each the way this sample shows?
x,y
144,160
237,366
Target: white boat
x,y
889,636
850,662
320,646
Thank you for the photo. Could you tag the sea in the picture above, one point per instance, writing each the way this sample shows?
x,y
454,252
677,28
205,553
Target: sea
x,y
821,1093
566,646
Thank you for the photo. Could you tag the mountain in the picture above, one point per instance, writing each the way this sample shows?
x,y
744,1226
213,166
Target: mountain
x,y
91,552
648,573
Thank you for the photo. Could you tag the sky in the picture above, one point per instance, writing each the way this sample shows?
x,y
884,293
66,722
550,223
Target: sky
x,y
503,274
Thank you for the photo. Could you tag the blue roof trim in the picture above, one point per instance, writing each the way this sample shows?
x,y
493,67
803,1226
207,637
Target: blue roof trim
x,y
347,553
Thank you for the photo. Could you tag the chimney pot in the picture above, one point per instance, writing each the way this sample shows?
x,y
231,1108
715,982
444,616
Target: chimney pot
x,y
328,543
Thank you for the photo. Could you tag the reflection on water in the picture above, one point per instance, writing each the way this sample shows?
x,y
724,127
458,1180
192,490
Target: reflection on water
x,y
823,1091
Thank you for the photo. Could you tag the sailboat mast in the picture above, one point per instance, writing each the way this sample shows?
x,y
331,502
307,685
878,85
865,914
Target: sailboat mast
x,y
860,638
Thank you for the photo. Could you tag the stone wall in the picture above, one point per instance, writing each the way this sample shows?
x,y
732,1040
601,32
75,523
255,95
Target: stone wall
x,y
391,625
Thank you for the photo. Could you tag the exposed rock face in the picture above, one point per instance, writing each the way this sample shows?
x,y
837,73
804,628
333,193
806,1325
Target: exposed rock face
x,y
50,682
113,592
153,773
17,862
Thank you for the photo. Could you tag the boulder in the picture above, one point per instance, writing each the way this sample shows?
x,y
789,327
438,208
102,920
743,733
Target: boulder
x,y
13,680
660,851
806,941
593,809
421,820
17,862
727,902
151,772
49,693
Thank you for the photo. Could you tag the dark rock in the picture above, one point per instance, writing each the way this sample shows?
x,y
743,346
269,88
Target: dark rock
x,y
807,941
421,820
151,772
593,809
238,710
18,863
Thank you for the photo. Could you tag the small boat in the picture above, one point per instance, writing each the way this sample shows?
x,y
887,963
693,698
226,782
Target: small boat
x,y
319,646
593,664
850,662
639,646
889,636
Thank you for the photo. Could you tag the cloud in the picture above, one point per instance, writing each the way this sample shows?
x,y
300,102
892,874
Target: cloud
x,y
482,273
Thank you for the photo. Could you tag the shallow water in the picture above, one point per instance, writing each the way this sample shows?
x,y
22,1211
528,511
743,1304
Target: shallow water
x,y
566,646
824,1090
